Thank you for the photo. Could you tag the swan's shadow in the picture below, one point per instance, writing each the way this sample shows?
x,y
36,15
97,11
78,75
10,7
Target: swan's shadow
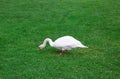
x,y
58,52
68,52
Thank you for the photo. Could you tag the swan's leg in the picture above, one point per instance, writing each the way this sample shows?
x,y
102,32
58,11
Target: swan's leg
x,y
61,53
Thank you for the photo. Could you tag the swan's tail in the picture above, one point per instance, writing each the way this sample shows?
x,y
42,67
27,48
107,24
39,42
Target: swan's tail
x,y
86,47
83,46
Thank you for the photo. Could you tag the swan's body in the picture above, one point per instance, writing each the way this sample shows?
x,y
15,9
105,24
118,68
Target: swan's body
x,y
63,43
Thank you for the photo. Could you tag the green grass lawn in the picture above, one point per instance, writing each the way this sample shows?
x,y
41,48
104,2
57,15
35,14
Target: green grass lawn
x,y
24,24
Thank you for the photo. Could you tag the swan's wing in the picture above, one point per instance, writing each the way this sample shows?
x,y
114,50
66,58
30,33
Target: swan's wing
x,y
67,41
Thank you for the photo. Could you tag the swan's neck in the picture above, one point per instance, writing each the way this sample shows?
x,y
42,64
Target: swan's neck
x,y
49,41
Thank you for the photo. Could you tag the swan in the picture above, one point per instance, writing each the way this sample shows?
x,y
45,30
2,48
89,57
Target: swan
x,y
63,43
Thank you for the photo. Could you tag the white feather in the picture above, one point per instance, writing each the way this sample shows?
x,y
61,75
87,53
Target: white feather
x,y
63,43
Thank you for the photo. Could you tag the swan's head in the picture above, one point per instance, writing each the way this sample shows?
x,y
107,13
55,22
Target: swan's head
x,y
41,47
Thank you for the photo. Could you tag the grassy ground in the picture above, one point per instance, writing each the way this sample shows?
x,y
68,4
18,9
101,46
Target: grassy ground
x,y
24,24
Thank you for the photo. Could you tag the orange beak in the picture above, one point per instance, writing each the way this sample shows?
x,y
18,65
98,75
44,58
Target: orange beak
x,y
39,48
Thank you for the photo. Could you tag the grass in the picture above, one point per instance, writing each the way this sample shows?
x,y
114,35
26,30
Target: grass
x,y
24,24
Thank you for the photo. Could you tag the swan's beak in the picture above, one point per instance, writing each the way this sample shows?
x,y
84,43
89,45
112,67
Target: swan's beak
x,y
39,48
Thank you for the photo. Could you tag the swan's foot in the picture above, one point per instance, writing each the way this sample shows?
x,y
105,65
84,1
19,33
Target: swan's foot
x,y
61,53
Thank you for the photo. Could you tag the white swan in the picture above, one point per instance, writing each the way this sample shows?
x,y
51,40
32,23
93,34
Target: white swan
x,y
63,43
